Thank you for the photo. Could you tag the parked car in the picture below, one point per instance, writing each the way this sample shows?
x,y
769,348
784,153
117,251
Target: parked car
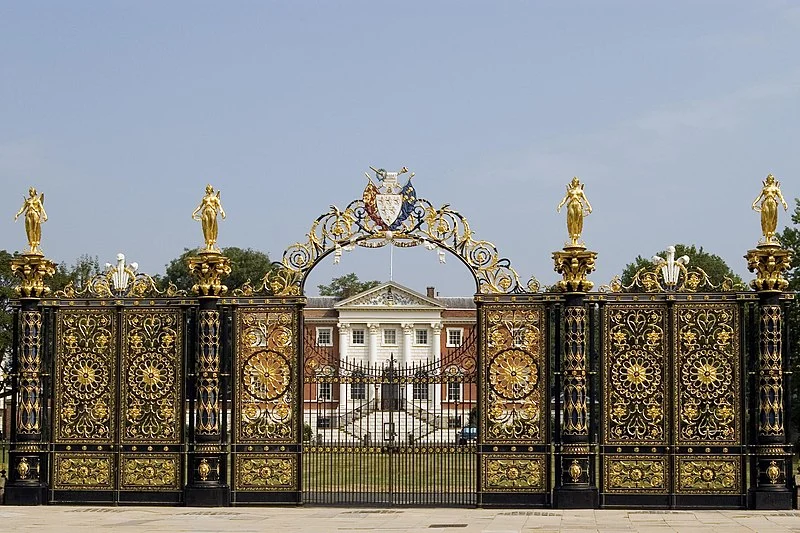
x,y
468,435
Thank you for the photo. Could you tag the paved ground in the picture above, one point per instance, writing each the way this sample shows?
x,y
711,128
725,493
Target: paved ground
x,y
340,520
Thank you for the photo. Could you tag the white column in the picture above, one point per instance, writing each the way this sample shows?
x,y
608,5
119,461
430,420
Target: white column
x,y
344,342
374,330
436,355
408,340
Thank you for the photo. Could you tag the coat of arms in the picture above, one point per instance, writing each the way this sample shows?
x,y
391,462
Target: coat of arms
x,y
389,203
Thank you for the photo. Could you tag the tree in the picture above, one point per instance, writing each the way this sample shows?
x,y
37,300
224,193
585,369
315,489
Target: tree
x,y
790,239
7,284
246,264
346,286
713,265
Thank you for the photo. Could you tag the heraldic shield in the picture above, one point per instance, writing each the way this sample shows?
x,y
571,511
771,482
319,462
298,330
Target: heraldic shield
x,y
389,204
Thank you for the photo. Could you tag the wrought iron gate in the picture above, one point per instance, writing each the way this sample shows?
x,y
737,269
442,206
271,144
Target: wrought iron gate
x,y
672,421
118,404
384,433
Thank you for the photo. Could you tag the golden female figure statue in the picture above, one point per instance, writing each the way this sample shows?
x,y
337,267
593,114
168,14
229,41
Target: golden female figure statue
x,y
577,208
33,207
206,213
770,194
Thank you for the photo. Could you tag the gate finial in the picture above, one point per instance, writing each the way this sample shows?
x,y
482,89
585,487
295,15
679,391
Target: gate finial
x,y
577,208
575,262
769,196
33,209
206,213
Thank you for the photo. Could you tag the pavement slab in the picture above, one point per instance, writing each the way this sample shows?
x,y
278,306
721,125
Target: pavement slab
x,y
60,519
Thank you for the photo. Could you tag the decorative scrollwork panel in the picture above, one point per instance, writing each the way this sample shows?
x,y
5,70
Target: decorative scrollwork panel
x,y
708,475
707,363
148,472
770,374
514,366
89,471
85,397
514,473
266,359
266,472
636,474
151,384
635,366
29,406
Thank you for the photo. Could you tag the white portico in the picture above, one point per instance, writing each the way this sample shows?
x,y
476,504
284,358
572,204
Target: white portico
x,y
389,321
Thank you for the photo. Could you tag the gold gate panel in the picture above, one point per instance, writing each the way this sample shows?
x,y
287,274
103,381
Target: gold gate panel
x,y
85,396
707,360
514,395
152,377
147,375
635,367
266,398
671,410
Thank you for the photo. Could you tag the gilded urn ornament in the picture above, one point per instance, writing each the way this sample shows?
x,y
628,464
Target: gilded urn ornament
x,y
575,471
23,468
204,469
773,472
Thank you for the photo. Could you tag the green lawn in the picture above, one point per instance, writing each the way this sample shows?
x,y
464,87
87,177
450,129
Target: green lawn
x,y
398,472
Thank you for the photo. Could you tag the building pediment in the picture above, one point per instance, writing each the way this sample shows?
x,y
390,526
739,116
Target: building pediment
x,y
389,295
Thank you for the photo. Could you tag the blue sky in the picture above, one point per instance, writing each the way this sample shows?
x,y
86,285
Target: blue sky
x,y
671,112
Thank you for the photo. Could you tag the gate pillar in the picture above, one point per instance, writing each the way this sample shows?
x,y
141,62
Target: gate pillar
x,y
27,477
575,483
207,468
772,458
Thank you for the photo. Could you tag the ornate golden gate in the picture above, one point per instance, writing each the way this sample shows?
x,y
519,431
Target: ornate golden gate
x,y
126,392
673,399
118,402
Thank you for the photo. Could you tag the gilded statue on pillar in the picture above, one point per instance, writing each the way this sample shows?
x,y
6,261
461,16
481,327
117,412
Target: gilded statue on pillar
x,y
206,213
770,194
33,209
577,208
575,262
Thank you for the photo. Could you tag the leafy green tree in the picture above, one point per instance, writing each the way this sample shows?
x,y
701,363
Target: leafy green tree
x,y
713,265
346,286
790,239
6,327
246,264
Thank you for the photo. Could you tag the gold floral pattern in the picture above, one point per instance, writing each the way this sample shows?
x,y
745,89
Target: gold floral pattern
x,y
151,360
717,474
513,362
513,374
635,363
266,473
83,472
265,375
85,371
707,386
635,475
150,472
514,473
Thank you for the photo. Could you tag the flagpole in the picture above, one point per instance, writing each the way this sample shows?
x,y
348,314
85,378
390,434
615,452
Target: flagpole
x,y
391,260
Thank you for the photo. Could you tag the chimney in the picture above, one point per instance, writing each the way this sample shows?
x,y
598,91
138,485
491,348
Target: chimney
x,y
431,292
